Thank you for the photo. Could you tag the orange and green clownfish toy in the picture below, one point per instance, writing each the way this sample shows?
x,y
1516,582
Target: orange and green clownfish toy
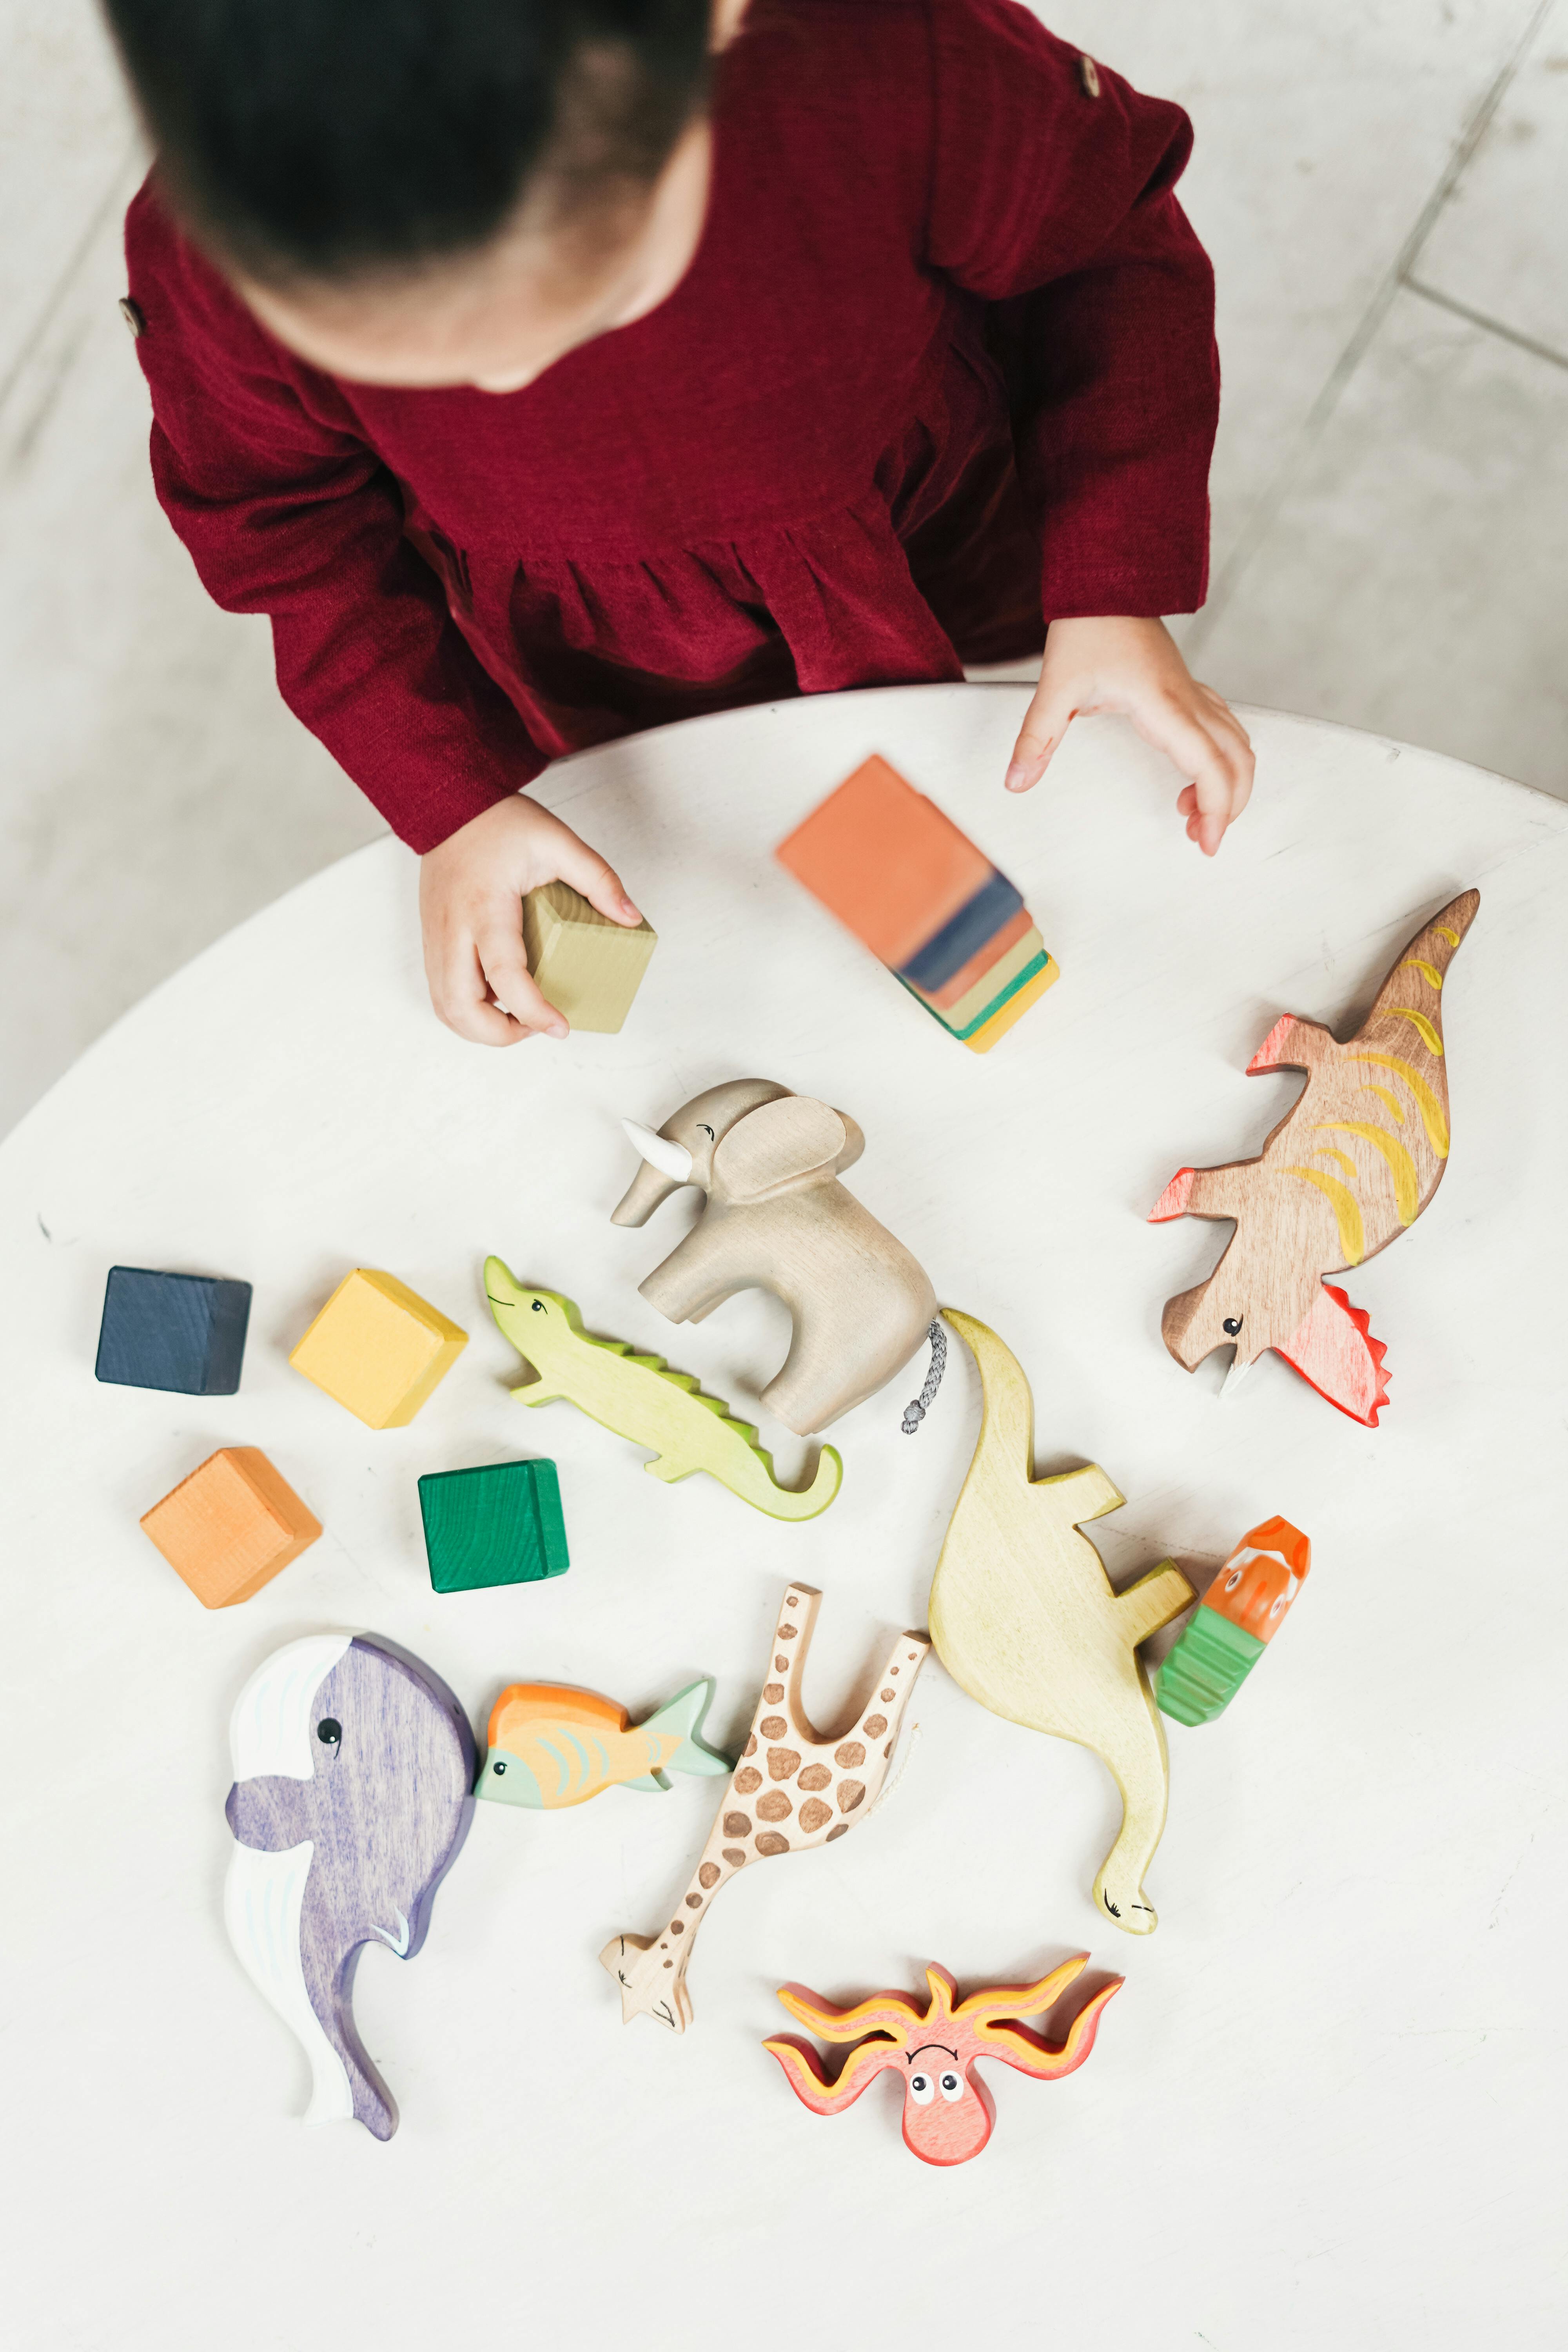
x,y
551,1746
1242,1611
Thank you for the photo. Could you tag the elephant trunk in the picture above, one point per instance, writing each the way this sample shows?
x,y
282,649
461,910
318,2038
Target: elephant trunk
x,y
648,1190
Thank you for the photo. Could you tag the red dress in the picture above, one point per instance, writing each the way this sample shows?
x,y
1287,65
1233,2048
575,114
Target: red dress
x,y
942,368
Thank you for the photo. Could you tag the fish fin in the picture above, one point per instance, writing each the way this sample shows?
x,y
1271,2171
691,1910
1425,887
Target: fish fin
x,y
1334,1351
648,1780
683,1715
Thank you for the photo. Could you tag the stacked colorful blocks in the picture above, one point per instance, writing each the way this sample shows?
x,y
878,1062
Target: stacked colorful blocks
x,y
925,900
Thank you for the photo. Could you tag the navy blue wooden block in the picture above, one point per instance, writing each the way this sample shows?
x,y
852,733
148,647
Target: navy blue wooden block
x,y
184,1331
959,939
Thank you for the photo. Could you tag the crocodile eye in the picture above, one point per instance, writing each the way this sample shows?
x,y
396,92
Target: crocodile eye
x,y
1231,1326
329,1731
920,2089
951,2086
539,1310
498,1769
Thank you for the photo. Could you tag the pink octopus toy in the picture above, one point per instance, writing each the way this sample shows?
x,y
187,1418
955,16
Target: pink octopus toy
x,y
948,2114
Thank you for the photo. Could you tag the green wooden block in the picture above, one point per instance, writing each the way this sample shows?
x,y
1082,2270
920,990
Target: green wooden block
x,y
499,1524
589,968
1202,1674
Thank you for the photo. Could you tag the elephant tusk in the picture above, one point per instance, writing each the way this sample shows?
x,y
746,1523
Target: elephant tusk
x,y
671,1160
1240,1366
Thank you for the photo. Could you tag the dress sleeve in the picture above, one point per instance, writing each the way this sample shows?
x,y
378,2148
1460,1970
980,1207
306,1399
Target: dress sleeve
x,y
287,512
1051,198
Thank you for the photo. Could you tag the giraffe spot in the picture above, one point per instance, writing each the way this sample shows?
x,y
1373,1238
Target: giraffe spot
x,y
850,1794
751,1746
669,1964
737,1825
788,1632
874,1725
770,1842
816,1776
772,1727
782,1762
734,1857
792,1600
892,1670
884,1696
888,1750
773,1807
773,1693
678,1927
813,1814
694,1902
747,1778
708,1874
849,1755
842,1830
913,1655
781,1665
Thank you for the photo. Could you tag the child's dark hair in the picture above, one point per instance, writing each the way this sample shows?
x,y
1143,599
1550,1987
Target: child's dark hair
x,y
328,139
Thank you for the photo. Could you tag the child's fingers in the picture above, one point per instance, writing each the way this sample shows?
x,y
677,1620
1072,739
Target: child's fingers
x,y
505,967
593,878
1045,721
461,999
1219,769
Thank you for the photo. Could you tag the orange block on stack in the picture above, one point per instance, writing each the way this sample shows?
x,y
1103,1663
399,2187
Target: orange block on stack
x,y
928,904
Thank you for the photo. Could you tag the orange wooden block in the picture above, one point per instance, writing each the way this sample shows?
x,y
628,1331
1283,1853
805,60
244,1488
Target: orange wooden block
x,y
886,861
230,1527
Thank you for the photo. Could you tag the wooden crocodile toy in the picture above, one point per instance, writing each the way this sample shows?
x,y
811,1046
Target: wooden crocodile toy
x,y
641,1399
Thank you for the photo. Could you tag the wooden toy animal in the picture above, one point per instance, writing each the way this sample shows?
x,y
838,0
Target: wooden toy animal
x,y
1352,1163
1024,1616
795,1788
778,1219
352,1768
551,1746
1242,1611
640,1398
948,2111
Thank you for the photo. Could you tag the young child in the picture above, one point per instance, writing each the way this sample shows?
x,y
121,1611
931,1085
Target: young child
x,y
547,369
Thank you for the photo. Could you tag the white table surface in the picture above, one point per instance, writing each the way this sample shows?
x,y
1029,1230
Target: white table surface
x,y
1326,2106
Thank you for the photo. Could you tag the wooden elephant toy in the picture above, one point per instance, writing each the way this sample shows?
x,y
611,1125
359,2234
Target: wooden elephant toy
x,y
778,1219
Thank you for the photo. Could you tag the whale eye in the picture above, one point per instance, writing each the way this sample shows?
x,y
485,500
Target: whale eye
x,y
921,2088
329,1731
539,1305
952,2086
1231,1326
498,1769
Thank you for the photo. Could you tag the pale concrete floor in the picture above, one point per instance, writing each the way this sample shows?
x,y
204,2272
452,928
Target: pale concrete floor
x,y
1383,185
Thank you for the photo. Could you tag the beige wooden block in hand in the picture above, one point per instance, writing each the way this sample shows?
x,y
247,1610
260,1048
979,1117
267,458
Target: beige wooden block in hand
x,y
379,1349
587,967
231,1526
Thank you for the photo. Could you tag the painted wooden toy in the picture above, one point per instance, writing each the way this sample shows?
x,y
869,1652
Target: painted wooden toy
x,y
587,967
1024,1617
1352,1163
935,2050
231,1527
500,1523
899,873
778,1219
795,1788
353,1766
379,1349
551,1746
1242,1611
179,1331
641,1399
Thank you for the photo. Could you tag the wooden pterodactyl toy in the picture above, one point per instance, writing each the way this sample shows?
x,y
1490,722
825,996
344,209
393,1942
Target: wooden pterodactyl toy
x,y
1352,1163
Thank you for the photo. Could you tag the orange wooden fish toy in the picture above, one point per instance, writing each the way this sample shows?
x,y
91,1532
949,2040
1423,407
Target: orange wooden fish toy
x,y
1352,1163
551,1746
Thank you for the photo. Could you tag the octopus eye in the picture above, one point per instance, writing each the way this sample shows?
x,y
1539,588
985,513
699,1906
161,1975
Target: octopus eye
x,y
329,1731
497,1768
920,2089
952,2086
1233,1580
1231,1326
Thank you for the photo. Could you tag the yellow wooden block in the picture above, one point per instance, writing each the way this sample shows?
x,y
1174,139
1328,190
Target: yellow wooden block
x,y
1014,1009
378,1347
589,968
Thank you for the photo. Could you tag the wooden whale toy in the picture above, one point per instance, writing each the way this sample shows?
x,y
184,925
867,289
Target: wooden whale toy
x,y
353,1768
1349,1167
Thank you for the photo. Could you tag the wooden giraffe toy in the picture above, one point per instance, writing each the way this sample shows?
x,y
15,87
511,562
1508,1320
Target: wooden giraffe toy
x,y
1352,1163
794,1789
1024,1616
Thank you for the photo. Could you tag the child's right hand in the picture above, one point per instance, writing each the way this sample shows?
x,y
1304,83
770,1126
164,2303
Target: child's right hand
x,y
470,910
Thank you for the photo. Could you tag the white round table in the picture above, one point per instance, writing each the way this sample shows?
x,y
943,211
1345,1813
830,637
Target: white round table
x,y
1326,2106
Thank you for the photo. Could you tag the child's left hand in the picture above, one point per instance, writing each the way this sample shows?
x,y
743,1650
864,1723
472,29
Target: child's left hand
x,y
1133,666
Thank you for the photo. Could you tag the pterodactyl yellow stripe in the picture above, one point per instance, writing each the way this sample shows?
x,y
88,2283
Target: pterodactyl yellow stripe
x,y
1352,1236
1445,932
1429,972
1330,1152
1371,1087
1401,1166
1418,1021
1431,1110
